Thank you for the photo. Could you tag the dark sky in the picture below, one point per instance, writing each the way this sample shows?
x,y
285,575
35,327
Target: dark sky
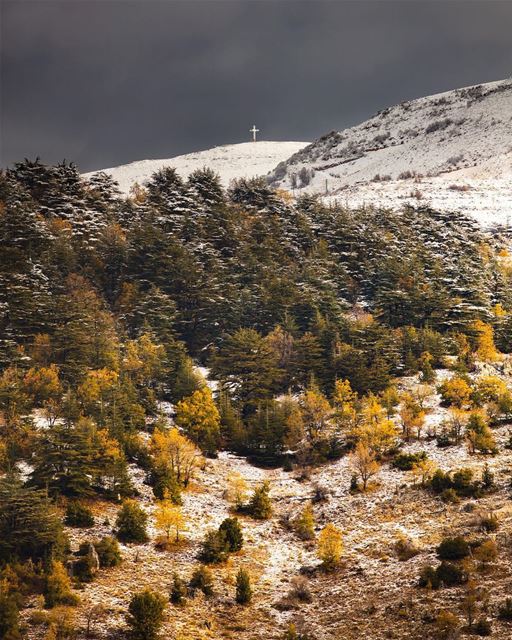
x,y
104,82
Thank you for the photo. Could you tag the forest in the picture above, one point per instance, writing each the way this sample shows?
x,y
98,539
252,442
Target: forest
x,y
158,331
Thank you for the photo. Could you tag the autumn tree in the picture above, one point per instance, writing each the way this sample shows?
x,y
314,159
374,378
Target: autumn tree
x,y
423,470
168,518
58,586
364,463
483,336
199,417
304,523
175,455
236,491
330,546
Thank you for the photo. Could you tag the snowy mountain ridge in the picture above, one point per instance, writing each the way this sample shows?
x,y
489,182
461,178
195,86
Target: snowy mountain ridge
x,y
243,160
451,150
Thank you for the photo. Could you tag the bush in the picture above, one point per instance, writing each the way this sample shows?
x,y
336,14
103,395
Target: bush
x,y
108,552
202,579
232,532
78,515
58,587
429,578
178,590
463,483
453,549
146,614
260,506
450,574
505,610
243,587
406,461
450,496
483,627
214,547
131,523
489,523
440,481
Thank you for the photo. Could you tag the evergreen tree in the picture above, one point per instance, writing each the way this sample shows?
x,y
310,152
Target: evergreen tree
x,y
131,522
243,587
29,525
146,615
260,506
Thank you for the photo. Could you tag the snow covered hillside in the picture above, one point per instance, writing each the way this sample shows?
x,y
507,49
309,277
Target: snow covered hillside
x,y
244,160
452,150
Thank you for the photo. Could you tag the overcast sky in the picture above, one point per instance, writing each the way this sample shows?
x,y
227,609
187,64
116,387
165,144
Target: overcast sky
x,y
105,82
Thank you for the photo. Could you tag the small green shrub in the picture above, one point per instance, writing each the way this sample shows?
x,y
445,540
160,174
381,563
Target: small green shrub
x,y
243,587
453,549
451,574
78,515
179,590
429,578
406,461
505,610
483,627
202,580
108,551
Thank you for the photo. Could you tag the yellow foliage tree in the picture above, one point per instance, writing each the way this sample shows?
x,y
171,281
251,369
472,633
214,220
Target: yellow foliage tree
x,y
316,412
237,489
484,342
143,359
364,463
199,417
169,517
344,401
176,454
423,471
43,383
330,546
456,391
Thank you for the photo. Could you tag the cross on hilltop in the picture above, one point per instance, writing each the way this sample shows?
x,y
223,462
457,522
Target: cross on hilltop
x,y
254,131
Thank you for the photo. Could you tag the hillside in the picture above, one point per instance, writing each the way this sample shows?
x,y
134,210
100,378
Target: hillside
x,y
225,413
244,160
450,151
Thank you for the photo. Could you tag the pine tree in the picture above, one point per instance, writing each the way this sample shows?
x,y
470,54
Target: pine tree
x,y
178,590
230,528
243,587
29,525
131,522
146,614
260,505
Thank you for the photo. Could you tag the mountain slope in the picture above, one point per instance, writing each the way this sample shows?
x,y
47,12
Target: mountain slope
x,y
244,160
451,150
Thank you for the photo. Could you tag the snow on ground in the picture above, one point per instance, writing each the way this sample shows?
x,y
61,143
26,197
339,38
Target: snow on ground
x,y
373,595
459,141
243,160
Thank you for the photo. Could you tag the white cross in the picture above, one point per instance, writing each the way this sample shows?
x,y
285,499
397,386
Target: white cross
x,y
254,131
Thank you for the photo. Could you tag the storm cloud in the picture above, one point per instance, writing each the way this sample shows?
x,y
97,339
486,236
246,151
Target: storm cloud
x,y
104,82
